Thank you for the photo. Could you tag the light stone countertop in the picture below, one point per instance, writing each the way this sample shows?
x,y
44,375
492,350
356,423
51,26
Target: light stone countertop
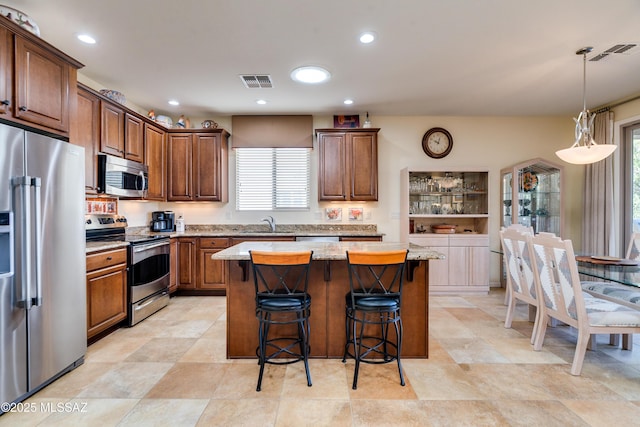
x,y
333,251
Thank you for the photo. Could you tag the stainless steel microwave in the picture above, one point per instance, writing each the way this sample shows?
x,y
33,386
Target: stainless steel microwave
x,y
122,177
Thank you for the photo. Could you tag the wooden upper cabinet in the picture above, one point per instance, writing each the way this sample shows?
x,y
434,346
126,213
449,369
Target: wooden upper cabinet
x,y
210,167
86,133
37,81
347,164
179,182
198,166
6,73
156,158
133,138
112,129
42,83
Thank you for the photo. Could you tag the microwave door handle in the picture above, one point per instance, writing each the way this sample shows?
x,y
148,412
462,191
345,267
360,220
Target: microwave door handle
x,y
144,182
36,184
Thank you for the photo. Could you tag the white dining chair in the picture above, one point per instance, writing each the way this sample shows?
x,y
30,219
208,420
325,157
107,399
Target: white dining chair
x,y
519,271
558,286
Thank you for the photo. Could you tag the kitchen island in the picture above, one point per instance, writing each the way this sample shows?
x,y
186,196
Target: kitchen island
x,y
328,285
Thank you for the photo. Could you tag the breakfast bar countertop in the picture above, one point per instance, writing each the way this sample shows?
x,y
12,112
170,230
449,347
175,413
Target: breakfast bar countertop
x,y
334,251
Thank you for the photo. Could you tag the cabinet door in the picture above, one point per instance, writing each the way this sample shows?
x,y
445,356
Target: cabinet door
x,y
187,263
458,266
112,129
479,266
179,180
212,272
86,133
134,138
362,149
6,71
207,162
332,163
106,298
156,157
42,86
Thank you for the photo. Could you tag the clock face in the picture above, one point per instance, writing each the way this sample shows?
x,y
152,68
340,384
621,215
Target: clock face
x,y
437,143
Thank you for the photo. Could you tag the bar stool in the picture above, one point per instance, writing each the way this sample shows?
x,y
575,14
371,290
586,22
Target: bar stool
x,y
373,308
281,280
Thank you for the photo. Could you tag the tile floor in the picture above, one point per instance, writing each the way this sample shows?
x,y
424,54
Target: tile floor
x,y
170,370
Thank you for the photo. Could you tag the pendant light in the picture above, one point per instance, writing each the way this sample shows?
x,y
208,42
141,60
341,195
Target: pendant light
x,y
585,150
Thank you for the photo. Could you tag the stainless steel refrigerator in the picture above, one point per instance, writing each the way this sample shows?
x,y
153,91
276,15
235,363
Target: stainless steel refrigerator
x,y
42,261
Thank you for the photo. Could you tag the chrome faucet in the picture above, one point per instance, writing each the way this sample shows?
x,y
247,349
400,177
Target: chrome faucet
x,y
272,222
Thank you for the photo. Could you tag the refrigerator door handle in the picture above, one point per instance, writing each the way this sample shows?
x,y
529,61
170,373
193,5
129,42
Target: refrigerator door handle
x,y
23,300
36,183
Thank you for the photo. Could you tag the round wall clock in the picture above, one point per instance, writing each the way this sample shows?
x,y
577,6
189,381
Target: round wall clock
x,y
437,143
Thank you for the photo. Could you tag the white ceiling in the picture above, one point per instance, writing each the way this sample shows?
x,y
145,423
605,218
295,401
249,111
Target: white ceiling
x,y
432,57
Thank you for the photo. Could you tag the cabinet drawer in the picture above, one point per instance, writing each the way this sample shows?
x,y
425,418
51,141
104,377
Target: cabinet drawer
x,y
469,240
214,242
105,259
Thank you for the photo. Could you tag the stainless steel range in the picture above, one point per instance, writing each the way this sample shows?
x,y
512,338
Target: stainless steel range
x,y
148,262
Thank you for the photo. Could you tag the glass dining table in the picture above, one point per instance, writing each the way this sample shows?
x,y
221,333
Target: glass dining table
x,y
625,272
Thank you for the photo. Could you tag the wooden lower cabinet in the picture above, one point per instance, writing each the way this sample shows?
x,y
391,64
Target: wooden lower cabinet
x,y
196,271
106,290
211,273
186,273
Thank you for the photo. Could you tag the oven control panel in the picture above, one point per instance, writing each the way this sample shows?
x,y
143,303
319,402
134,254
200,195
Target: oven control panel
x,y
96,221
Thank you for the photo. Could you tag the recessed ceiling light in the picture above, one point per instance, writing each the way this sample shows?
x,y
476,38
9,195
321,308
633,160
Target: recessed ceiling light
x,y
310,75
367,37
261,101
86,38
348,101
174,102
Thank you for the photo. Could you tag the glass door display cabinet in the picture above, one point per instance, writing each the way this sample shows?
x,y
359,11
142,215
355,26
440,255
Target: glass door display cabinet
x,y
531,194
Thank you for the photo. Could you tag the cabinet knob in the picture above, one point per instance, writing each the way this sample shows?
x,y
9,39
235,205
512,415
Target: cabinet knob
x,y
109,258
23,108
5,102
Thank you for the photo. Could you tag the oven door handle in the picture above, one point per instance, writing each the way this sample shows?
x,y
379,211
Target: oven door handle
x,y
146,247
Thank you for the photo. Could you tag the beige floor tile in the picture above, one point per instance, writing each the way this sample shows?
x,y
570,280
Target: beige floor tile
x,y
328,377
240,412
162,350
207,350
605,413
165,412
127,380
441,381
114,348
312,413
548,413
472,350
188,381
90,412
240,380
521,351
72,383
378,382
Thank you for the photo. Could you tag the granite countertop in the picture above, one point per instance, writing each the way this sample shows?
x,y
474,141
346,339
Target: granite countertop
x,y
334,251
251,230
263,230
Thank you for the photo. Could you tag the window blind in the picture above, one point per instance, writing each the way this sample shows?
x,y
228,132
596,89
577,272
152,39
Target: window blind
x,y
270,179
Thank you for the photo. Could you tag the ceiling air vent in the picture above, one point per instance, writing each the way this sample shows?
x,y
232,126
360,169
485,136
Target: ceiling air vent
x,y
626,49
257,81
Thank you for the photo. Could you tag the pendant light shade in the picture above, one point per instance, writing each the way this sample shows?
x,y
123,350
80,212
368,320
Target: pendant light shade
x,y
585,150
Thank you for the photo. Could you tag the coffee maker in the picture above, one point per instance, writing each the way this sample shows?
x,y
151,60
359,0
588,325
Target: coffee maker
x,y
162,221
